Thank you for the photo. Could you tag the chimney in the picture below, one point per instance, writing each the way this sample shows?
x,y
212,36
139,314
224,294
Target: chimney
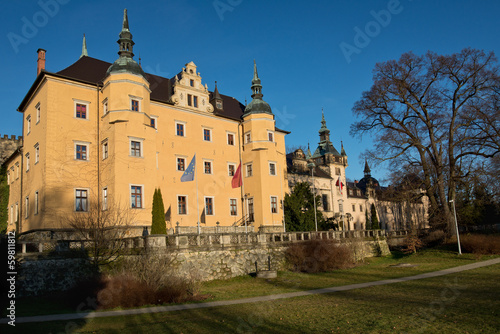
x,y
355,181
40,64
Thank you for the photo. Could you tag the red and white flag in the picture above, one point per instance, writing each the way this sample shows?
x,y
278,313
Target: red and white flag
x,y
340,185
236,181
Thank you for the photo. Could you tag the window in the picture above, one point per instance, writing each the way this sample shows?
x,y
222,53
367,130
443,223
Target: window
x,y
207,135
341,207
230,138
17,170
136,197
37,113
195,101
134,105
182,205
250,210
181,164
218,104
81,152
104,198
274,204
248,137
179,129
16,214
324,200
37,153
272,168
360,208
26,207
207,167
233,208
354,208
135,148
231,168
105,108
28,124
27,162
81,200
81,111
190,100
152,122
350,192
209,206
11,216
337,171
191,82
249,170
36,202
270,136
105,150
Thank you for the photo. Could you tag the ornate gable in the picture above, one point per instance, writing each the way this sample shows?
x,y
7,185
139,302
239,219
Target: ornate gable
x,y
189,91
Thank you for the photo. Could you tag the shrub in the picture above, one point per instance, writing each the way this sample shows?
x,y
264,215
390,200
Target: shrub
x,y
480,244
434,238
411,243
314,256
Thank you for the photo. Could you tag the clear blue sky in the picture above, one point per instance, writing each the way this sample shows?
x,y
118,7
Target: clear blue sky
x,y
297,46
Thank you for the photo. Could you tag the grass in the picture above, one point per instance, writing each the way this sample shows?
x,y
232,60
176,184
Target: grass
x,y
464,302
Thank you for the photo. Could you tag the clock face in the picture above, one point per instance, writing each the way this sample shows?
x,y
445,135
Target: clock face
x,y
219,104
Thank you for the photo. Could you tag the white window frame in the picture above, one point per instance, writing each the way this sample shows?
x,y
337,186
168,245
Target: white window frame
x,y
27,156
275,168
8,177
187,206
139,102
156,121
82,143
27,207
105,109
141,147
105,149
38,112
228,171
230,213
37,153
28,126
142,195
246,169
11,216
177,164
234,138
36,203
271,204
211,162
17,170
213,205
248,137
16,215
87,109
272,134
184,128
88,199
104,198
210,134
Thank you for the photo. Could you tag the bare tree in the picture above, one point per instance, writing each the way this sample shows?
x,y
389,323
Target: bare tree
x,y
420,108
103,231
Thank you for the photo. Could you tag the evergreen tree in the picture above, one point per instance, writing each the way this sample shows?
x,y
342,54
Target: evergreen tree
x,y
299,209
4,199
374,225
158,214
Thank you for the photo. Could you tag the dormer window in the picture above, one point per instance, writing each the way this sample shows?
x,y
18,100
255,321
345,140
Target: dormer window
x,y
191,82
218,104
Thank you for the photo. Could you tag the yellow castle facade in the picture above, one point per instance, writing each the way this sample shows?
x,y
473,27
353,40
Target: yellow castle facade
x,y
98,135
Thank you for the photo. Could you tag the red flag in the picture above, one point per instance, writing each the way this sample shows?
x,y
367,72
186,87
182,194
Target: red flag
x,y
236,181
340,185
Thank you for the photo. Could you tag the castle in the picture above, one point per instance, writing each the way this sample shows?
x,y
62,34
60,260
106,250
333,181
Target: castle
x,y
8,146
98,135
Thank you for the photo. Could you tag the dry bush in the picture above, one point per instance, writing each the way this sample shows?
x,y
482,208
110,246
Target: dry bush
x,y
480,244
411,244
319,256
434,238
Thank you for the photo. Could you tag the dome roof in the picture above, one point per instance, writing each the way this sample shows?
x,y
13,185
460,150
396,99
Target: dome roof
x,y
125,65
257,106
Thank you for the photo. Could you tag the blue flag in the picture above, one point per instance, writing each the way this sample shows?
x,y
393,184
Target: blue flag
x,y
189,172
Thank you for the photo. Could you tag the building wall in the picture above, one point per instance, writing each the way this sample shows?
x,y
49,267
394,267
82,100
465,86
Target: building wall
x,y
58,174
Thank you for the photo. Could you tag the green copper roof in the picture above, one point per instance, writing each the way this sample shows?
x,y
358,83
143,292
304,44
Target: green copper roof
x,y
125,63
257,105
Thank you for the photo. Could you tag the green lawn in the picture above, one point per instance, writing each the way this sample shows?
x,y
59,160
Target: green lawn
x,y
468,302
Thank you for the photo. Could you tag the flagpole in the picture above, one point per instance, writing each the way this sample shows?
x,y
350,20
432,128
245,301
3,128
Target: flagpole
x,y
197,199
243,197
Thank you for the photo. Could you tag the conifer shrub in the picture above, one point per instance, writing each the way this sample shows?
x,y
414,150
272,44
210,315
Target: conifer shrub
x,y
318,255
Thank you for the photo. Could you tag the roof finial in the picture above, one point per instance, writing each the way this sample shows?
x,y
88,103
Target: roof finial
x,y
367,170
84,47
125,20
342,151
140,64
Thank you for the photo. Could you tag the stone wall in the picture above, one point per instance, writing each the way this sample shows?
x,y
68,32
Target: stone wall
x,y
42,274
8,146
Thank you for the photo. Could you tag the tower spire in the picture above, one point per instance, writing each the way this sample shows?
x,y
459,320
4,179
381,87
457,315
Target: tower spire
x,y
367,170
256,86
84,47
324,133
126,43
257,105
